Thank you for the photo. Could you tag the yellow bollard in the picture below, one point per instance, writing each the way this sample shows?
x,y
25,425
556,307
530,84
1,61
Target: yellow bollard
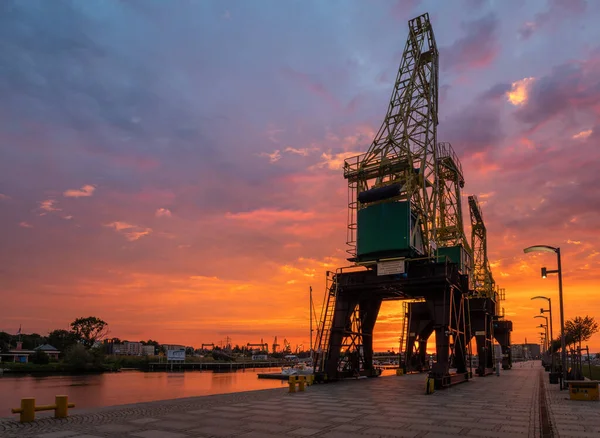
x,y
292,383
27,410
62,406
301,382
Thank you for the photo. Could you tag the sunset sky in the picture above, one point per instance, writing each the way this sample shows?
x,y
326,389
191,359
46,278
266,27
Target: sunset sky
x,y
174,167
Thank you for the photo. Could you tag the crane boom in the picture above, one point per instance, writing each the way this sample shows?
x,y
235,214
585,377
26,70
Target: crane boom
x,y
396,179
482,273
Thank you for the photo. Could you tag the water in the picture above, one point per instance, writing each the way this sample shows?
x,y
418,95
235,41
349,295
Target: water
x,y
88,391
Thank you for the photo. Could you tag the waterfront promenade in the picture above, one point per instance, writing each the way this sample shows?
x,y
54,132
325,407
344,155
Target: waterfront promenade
x,y
505,406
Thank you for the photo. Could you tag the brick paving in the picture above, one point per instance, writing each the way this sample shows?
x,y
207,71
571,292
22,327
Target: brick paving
x,y
505,406
572,418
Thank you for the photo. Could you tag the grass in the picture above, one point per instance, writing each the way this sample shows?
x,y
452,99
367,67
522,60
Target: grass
x,y
595,372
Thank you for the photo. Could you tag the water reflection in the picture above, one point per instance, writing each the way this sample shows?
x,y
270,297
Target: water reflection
x,y
129,387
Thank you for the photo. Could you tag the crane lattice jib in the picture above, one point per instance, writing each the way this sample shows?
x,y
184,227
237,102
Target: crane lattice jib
x,y
449,228
403,153
484,282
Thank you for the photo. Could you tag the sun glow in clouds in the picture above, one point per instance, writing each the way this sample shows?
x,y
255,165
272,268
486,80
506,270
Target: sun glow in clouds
x,y
519,91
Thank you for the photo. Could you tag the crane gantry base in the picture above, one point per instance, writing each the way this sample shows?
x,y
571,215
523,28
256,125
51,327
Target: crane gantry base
x,y
358,296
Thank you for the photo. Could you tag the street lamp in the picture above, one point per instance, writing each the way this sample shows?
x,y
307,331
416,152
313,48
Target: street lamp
x,y
549,310
545,272
542,325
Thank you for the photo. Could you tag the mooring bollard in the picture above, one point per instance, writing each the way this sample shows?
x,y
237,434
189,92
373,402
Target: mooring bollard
x,y
27,410
302,381
429,386
292,384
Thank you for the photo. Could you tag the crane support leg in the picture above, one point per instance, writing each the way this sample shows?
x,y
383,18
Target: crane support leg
x,y
482,310
420,327
502,330
448,309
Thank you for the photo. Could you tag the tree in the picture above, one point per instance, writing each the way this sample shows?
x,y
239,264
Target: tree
x,y
90,330
4,342
577,330
78,357
62,340
580,329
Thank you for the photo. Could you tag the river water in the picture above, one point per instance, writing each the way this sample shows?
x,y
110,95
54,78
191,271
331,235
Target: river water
x,y
108,389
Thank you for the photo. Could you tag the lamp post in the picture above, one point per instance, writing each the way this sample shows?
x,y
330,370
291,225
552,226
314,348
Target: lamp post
x,y
563,353
542,338
545,327
549,310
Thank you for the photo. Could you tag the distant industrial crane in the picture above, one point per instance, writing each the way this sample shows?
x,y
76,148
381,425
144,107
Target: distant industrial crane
x,y
275,345
287,348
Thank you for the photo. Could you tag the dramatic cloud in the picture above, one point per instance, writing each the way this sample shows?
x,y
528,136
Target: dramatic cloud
x,y
84,191
476,49
557,12
570,88
211,154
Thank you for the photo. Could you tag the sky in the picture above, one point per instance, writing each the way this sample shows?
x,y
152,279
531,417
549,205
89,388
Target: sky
x,y
174,167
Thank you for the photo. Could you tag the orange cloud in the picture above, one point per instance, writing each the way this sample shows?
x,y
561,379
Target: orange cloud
x,y
519,91
49,205
274,156
271,216
131,232
84,191
163,212
583,135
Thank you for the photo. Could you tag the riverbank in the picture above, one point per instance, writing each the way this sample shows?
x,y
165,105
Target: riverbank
x,y
386,406
62,368
54,368
106,389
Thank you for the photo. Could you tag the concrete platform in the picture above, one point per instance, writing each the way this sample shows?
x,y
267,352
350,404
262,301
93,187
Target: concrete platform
x,y
393,406
572,418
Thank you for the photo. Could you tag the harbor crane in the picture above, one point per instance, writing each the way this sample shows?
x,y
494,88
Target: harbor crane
x,y
405,236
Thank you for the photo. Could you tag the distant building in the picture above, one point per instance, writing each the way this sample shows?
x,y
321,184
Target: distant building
x,y
132,348
124,349
525,351
22,356
148,350
168,347
49,350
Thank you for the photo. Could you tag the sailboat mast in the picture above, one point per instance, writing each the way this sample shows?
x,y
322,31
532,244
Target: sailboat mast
x,y
310,312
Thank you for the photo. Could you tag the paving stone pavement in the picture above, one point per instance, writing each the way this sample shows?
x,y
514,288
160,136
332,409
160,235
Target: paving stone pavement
x,y
495,407
571,418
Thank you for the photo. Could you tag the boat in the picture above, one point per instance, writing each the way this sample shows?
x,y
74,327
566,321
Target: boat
x,y
300,369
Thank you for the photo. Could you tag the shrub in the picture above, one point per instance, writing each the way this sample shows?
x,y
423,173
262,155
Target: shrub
x,y
40,358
